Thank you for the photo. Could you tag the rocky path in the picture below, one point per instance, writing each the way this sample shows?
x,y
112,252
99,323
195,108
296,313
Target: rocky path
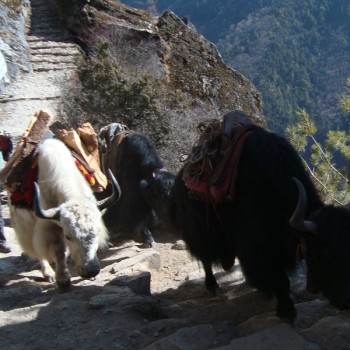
x,y
154,299
52,57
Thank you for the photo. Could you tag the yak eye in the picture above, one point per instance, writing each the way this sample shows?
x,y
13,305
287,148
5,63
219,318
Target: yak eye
x,y
68,238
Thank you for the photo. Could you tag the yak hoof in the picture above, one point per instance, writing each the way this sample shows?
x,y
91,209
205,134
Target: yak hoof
x,y
287,316
49,279
218,291
64,286
265,295
147,245
215,290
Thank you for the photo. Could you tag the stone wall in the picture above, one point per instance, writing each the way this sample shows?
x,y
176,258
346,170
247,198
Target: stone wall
x,y
14,56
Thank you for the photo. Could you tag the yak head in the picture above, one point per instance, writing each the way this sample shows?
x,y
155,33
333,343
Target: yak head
x,y
159,192
327,236
82,227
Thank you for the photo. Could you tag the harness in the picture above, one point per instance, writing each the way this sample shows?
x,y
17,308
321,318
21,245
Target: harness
x,y
14,175
211,168
21,171
110,139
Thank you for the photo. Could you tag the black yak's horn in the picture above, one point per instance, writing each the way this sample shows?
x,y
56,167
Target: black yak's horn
x,y
114,197
40,212
297,221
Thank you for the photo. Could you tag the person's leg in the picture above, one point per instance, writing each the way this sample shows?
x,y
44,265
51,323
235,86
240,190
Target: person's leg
x,y
4,246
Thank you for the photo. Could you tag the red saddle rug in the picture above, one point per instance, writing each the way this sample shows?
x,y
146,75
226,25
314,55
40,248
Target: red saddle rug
x,y
213,174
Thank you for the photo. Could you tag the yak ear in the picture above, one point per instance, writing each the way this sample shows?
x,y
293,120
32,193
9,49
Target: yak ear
x,y
297,220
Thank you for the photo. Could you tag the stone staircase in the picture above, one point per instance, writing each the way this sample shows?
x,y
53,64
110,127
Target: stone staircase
x,y
51,47
53,56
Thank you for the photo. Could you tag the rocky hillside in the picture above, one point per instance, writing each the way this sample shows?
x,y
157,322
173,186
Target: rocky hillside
x,y
294,51
189,64
48,55
185,66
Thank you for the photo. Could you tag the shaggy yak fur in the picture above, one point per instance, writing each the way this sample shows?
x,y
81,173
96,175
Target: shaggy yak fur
x,y
255,226
132,160
70,223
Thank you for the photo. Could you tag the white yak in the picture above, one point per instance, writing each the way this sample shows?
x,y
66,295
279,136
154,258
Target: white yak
x,y
67,218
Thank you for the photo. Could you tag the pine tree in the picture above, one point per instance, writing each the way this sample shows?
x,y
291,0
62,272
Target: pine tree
x,y
322,161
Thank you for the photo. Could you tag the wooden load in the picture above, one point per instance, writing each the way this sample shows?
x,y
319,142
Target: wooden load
x,y
20,172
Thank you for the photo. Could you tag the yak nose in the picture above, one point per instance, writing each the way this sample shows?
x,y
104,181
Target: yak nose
x,y
90,273
89,270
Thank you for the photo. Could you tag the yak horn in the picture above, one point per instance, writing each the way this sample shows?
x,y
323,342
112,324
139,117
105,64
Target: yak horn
x,y
297,221
114,197
40,212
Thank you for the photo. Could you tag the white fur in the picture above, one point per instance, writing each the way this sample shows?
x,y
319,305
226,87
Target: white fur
x,y
80,229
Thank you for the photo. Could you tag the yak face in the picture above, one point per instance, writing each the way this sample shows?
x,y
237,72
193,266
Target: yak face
x,y
137,158
83,229
158,192
328,255
84,232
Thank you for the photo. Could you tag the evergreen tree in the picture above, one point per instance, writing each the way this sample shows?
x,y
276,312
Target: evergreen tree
x,y
331,178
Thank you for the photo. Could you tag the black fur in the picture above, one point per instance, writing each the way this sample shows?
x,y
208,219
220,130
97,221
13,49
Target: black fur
x,y
133,160
254,227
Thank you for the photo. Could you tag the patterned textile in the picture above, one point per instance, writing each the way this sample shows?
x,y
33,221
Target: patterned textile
x,y
210,169
14,174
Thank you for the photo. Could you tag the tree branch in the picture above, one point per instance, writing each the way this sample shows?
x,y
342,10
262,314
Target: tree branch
x,y
312,173
325,160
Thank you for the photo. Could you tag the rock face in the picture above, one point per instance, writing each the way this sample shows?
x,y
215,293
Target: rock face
x,y
191,64
14,48
45,57
38,54
194,65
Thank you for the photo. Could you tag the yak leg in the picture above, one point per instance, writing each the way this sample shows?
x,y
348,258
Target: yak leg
x,y
47,271
227,262
269,278
151,221
147,237
210,281
285,307
49,245
62,272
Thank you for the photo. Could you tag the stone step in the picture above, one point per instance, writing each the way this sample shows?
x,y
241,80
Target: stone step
x,y
43,17
42,5
42,9
57,51
38,45
47,31
49,22
52,59
46,67
47,39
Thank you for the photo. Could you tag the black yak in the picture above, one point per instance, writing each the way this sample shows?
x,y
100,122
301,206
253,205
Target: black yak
x,y
262,222
132,157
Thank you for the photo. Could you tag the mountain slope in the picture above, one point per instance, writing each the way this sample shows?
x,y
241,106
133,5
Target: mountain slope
x,y
297,55
295,52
